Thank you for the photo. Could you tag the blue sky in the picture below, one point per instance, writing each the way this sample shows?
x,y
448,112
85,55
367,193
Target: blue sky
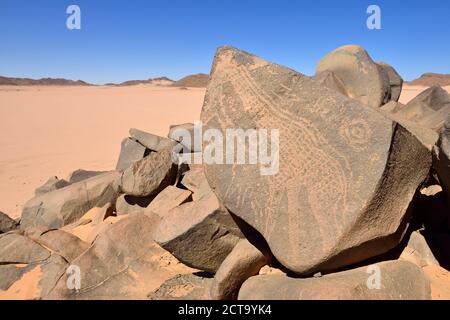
x,y
140,39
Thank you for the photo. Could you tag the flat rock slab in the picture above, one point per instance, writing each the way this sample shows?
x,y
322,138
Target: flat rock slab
x,y
200,234
130,152
363,79
324,208
399,280
15,249
64,206
53,183
151,141
166,200
183,287
6,223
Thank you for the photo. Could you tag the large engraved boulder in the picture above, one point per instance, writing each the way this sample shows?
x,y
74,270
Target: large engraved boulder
x,y
363,79
345,175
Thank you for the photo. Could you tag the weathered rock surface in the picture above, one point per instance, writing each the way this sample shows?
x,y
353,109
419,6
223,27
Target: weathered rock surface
x,y
81,174
395,81
53,183
441,159
151,141
195,180
430,109
131,151
186,135
16,249
363,79
166,200
183,287
400,280
418,251
64,206
150,175
331,81
6,223
322,209
200,234
126,204
123,263
242,263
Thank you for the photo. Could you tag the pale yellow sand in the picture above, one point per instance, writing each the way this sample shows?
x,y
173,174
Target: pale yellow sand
x,y
47,131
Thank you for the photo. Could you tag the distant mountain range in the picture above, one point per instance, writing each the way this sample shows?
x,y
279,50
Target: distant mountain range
x,y
431,79
199,80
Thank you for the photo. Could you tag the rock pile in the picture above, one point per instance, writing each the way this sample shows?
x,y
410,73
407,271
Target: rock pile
x,y
361,189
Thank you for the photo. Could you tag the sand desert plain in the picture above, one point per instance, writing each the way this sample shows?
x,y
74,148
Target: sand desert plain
x,y
53,130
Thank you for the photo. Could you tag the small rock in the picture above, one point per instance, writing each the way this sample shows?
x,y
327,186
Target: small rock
x,y
151,141
15,249
130,152
242,263
195,180
150,175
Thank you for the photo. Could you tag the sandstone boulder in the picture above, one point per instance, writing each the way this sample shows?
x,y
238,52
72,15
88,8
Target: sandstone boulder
x,y
168,199
53,183
331,81
195,181
185,134
399,280
395,81
17,249
322,209
131,151
200,234
126,204
151,141
150,175
80,175
64,206
418,251
183,287
363,79
242,263
6,223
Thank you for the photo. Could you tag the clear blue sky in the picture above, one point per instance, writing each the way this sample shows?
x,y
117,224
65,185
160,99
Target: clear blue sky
x,y
140,39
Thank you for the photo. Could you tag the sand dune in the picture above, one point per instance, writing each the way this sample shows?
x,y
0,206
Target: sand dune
x,y
49,130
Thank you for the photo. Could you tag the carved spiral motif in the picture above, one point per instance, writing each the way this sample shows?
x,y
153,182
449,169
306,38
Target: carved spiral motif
x,y
356,133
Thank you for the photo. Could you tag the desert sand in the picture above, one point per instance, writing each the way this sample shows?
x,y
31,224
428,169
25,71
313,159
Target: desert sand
x,y
51,130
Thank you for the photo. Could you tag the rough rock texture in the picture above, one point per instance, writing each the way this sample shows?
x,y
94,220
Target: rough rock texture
x,y
400,280
64,206
242,263
81,174
430,109
322,209
123,263
200,234
151,141
418,251
53,183
150,175
195,181
166,200
6,223
183,287
15,249
186,135
395,81
130,152
126,204
441,159
331,81
363,79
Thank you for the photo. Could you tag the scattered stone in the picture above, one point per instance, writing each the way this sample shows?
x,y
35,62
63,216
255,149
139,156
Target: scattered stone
x,y
418,252
395,81
200,234
123,263
331,81
322,209
195,180
186,135
363,79
400,280
131,151
126,204
430,109
183,287
242,263
53,183
150,175
80,175
6,223
168,199
151,141
64,206
16,249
